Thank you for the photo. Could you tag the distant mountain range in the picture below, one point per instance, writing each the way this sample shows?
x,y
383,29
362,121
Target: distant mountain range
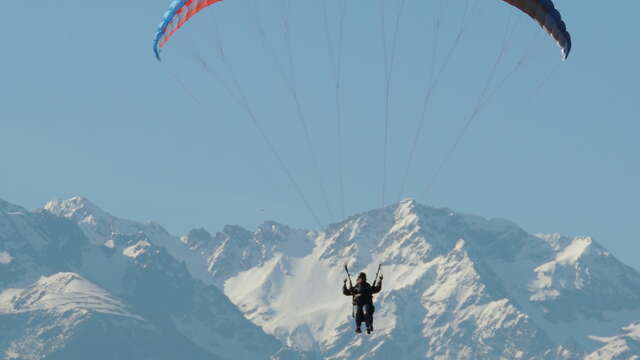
x,y
79,283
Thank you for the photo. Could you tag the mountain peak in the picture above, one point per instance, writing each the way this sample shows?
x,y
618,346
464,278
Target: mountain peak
x,y
100,226
405,212
62,292
76,208
271,229
407,202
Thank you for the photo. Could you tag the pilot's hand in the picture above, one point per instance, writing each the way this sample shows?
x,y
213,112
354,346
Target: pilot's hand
x,y
345,281
381,277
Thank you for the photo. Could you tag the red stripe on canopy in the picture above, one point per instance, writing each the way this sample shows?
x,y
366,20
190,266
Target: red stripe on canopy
x,y
186,12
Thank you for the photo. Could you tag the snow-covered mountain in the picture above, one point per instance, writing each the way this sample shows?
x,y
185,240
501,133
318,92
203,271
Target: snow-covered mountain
x,y
77,287
456,287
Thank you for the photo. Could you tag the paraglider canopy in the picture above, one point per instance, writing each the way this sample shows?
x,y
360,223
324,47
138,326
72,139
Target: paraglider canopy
x,y
180,11
543,12
549,18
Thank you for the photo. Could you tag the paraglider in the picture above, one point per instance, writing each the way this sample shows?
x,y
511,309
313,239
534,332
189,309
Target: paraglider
x,y
362,293
180,12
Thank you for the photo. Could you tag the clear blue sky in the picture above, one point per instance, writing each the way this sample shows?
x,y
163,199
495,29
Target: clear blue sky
x,y
86,110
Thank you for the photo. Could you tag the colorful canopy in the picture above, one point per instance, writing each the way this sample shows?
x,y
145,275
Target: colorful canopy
x,y
542,11
545,13
180,11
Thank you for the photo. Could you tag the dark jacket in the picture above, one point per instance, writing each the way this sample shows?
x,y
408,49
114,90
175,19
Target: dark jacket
x,y
362,292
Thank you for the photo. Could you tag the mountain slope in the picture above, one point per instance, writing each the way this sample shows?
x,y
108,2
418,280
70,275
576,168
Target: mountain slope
x,y
73,291
65,316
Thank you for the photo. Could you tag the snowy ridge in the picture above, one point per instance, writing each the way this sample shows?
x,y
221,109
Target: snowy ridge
x,y
98,225
60,293
560,273
103,228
